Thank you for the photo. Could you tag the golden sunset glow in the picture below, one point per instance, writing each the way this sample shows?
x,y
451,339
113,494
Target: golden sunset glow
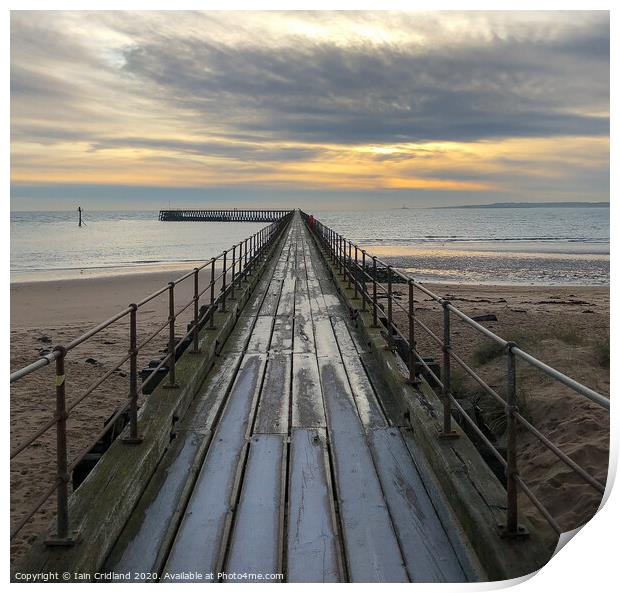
x,y
428,107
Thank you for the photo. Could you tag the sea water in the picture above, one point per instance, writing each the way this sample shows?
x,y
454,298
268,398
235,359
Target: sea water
x,y
490,245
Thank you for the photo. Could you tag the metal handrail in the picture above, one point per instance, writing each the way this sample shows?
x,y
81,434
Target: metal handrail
x,y
339,250
245,257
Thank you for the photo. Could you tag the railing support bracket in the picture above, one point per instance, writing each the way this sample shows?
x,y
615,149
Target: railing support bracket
x,y
62,542
520,533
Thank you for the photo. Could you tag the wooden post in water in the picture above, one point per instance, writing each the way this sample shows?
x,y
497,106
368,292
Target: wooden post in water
x,y
79,216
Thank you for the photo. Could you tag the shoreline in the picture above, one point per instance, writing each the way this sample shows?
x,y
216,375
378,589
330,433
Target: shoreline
x,y
95,298
61,274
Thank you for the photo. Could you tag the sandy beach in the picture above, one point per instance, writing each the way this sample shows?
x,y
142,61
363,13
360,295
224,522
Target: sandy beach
x,y
565,327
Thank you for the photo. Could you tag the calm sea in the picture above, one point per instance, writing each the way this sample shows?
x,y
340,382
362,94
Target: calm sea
x,y
512,245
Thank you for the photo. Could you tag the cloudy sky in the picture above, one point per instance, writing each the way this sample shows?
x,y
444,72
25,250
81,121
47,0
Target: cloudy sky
x,y
132,110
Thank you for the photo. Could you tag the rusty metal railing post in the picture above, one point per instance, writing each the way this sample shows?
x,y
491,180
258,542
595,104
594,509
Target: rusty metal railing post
x,y
212,295
223,288
389,304
349,266
62,537
172,359
375,313
356,272
338,253
195,328
245,254
412,345
512,527
134,437
239,275
363,287
446,431
232,273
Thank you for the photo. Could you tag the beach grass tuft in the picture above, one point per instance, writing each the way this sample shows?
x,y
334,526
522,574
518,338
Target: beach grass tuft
x,y
602,353
487,352
569,335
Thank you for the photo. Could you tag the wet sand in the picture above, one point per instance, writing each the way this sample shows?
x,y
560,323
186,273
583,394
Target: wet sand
x,y
526,264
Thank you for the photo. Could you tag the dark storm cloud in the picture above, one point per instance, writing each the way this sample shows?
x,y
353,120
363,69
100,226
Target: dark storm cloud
x,y
218,149
533,81
367,93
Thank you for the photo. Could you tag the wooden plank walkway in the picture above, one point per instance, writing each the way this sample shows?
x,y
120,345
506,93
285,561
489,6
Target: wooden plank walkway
x,y
288,460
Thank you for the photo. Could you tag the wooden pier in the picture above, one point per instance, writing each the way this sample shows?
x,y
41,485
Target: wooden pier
x,y
221,215
291,447
298,467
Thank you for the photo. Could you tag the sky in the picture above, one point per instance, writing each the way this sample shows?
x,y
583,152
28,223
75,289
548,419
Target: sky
x,y
121,110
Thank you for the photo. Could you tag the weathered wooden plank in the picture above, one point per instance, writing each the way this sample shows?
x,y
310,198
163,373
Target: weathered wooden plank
x,y
372,550
273,409
282,336
253,306
333,304
144,535
261,334
324,339
454,530
239,337
140,544
307,399
197,544
256,539
313,551
212,393
303,334
300,270
426,548
286,306
343,336
304,330
315,295
394,408
368,407
302,299
272,298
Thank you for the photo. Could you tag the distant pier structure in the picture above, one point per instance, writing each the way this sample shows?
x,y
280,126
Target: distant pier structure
x,y
222,215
